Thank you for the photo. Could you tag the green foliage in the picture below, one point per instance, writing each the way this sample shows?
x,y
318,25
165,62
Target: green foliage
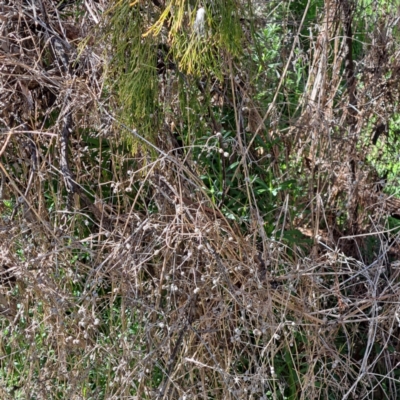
x,y
132,72
266,57
384,156
138,38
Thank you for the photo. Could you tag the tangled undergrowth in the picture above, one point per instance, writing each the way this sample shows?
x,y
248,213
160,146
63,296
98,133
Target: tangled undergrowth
x,y
210,263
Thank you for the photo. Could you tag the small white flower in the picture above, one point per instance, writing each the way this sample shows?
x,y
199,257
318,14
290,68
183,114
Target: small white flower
x,y
226,154
197,290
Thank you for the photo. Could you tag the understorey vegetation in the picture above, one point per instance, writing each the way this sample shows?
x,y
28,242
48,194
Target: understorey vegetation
x,y
199,200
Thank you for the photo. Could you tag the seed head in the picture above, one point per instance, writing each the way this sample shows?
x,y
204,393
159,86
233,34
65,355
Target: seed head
x,y
198,26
